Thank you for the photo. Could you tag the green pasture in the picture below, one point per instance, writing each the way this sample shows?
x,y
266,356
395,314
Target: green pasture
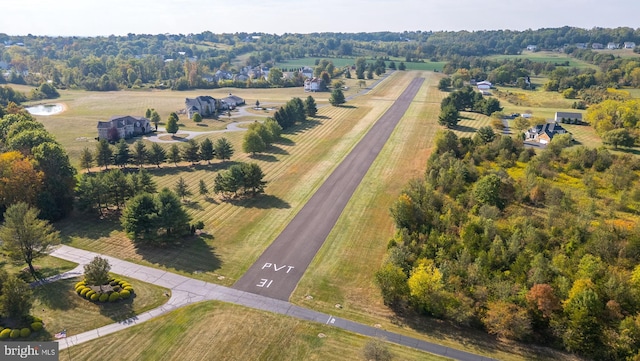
x,y
342,62
546,56
218,331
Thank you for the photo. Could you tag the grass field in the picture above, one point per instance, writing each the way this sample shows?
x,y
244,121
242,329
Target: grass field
x,y
45,266
342,62
218,331
60,307
547,56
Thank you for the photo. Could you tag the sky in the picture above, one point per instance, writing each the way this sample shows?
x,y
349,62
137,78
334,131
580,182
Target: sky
x,y
119,17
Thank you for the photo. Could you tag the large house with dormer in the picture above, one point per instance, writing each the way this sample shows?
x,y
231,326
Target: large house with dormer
x,y
543,133
204,105
123,127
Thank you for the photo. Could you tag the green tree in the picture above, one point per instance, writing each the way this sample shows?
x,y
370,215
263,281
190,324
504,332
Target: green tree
x,y
485,135
122,155
402,66
376,350
310,106
182,188
253,143
191,151
392,282
26,237
157,154
143,182
86,159
618,138
16,298
273,128
96,272
174,154
202,188
444,84
171,215
155,118
337,97
223,149
139,217
275,76
55,199
140,153
147,114
521,124
487,191
104,154
253,178
206,150
263,132
197,118
172,124
449,116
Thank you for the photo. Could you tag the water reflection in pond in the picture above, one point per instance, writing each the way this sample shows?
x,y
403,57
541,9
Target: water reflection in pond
x,y
45,109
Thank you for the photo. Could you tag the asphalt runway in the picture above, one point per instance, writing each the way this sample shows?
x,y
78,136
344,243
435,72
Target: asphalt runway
x,y
279,269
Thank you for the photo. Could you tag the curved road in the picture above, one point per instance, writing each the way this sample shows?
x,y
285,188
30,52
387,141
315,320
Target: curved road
x,y
278,270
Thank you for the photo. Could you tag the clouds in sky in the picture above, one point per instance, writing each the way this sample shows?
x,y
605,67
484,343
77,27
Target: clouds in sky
x,y
89,18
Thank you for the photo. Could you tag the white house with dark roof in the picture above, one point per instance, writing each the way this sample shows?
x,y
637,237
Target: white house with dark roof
x,y
231,102
313,84
612,46
629,45
123,127
544,133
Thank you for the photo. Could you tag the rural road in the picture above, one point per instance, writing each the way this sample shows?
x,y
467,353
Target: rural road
x,y
278,270
185,291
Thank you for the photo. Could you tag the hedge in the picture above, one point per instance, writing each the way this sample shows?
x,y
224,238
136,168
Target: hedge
x,y
95,297
89,294
103,297
15,333
114,297
129,288
125,294
25,332
5,333
84,291
36,326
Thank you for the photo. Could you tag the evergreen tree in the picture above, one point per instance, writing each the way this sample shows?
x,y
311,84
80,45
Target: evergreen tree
x,y
171,215
86,159
174,154
104,154
157,154
337,97
191,151
206,150
223,149
172,124
310,106
202,188
140,153
122,155
182,189
155,118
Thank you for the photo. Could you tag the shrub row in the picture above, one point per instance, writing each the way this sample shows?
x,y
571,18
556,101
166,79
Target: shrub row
x,y
122,290
20,332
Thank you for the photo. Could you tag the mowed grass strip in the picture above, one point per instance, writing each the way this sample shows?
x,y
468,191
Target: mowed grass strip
x,y
239,231
343,271
218,331
60,307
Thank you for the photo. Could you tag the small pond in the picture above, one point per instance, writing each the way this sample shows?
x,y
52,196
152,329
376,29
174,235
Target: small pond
x,y
45,109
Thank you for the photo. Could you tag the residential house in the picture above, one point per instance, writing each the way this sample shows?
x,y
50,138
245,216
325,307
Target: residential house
x,y
484,85
544,133
204,105
581,45
597,46
231,102
532,47
568,117
223,75
123,127
612,46
629,45
313,84
307,72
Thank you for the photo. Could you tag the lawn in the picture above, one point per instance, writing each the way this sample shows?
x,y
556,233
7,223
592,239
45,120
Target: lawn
x,y
342,62
219,331
45,266
60,307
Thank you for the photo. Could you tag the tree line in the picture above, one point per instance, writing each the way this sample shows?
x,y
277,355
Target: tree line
x,y
540,247
465,99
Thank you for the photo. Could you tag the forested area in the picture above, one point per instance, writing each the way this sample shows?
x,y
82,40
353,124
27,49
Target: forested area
x,y
540,248
189,61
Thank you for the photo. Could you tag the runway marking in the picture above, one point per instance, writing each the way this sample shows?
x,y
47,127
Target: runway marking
x,y
276,268
331,320
265,283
